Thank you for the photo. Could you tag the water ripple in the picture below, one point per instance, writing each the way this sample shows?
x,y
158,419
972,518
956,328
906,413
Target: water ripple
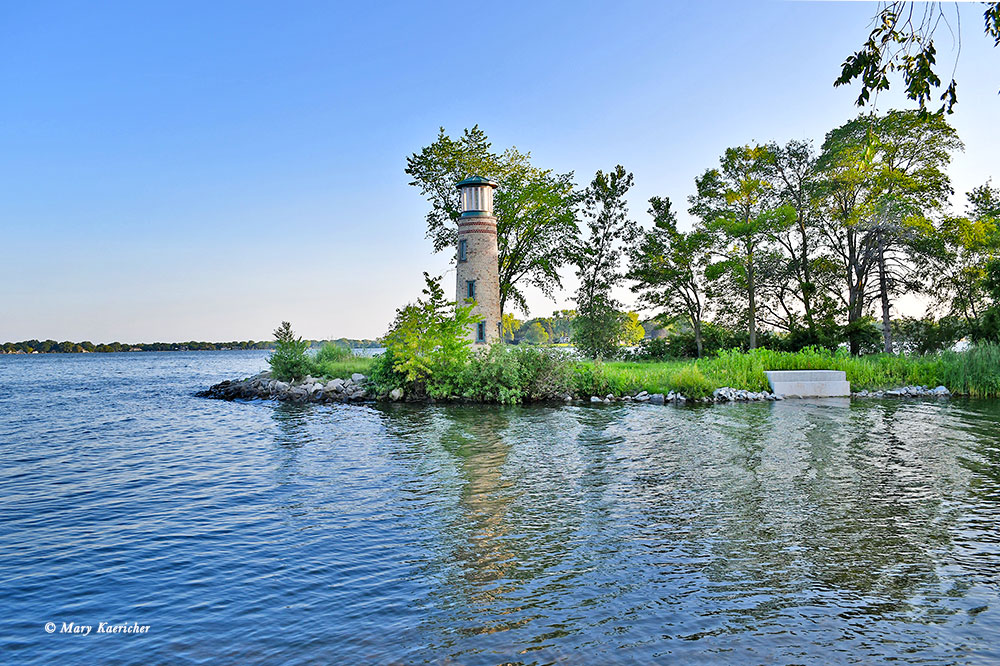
x,y
793,532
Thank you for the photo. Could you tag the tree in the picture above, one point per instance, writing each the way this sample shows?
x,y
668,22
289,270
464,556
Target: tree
x,y
667,267
970,244
289,360
429,340
902,39
597,327
509,325
632,330
737,202
535,209
535,334
882,177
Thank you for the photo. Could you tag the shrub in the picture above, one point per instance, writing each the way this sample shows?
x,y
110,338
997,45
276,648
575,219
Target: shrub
x,y
508,376
289,360
430,342
383,374
493,375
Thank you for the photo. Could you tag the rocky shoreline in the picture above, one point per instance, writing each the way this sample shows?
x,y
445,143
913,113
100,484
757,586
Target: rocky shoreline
x,y
357,390
308,389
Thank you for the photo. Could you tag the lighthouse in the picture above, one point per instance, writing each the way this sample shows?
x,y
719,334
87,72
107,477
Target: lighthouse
x,y
477,272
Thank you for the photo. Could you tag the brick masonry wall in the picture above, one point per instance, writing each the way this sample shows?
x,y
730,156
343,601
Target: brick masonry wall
x,y
481,265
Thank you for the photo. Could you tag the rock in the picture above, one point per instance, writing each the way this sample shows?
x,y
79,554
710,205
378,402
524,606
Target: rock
x,y
609,397
281,387
641,394
626,398
567,397
642,398
358,378
396,394
594,398
335,385
607,401
941,391
656,399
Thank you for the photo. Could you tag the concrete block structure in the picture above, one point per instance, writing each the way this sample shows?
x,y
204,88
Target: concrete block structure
x,y
809,383
477,272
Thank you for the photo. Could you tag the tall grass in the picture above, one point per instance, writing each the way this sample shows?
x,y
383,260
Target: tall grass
x,y
333,361
975,372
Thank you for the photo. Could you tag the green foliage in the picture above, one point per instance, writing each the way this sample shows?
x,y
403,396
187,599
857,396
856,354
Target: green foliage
x,y
690,382
512,375
333,353
535,208
598,328
535,334
927,335
667,268
598,324
383,375
430,342
336,360
903,40
289,360
973,372
738,203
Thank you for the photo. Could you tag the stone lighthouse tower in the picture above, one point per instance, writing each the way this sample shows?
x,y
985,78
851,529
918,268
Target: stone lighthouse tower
x,y
477,272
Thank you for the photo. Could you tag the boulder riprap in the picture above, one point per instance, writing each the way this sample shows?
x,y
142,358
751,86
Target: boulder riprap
x,y
307,389
907,392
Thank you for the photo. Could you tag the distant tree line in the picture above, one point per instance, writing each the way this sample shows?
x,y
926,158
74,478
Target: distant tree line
x,y
66,347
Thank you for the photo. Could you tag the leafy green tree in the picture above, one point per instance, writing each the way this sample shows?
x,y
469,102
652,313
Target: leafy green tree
x,y
535,209
737,202
667,266
289,360
902,40
598,324
536,334
429,341
509,325
883,178
632,330
970,244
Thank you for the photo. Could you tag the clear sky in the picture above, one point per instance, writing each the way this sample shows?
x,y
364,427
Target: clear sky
x,y
204,170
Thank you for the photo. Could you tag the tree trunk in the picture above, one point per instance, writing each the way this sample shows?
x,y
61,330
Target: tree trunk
x,y
807,286
696,325
753,304
883,286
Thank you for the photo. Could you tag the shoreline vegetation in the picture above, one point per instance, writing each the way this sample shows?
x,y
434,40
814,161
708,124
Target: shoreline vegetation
x,y
503,374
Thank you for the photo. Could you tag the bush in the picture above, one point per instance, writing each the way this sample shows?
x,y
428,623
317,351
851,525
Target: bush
x,y
289,360
430,342
510,376
383,374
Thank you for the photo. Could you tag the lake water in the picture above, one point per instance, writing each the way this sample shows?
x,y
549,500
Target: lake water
x,y
271,533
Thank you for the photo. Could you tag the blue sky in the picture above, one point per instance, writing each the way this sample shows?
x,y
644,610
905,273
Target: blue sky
x,y
177,171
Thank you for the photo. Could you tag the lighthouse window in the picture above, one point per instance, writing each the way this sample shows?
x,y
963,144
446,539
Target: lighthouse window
x,y
462,250
470,288
481,332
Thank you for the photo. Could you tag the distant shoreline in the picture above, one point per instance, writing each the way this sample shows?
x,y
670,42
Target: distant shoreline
x,y
26,347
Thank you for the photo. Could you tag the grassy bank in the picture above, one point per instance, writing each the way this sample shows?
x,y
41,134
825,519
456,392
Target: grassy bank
x,y
975,372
